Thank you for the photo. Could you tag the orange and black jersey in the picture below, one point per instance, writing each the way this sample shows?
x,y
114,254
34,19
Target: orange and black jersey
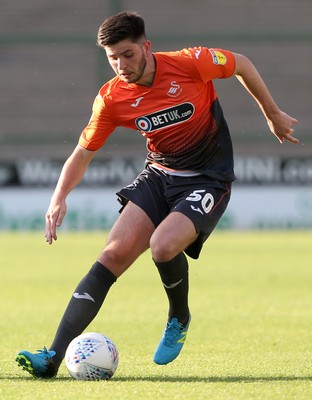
x,y
179,115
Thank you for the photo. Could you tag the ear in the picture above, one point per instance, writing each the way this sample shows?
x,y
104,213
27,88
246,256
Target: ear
x,y
147,46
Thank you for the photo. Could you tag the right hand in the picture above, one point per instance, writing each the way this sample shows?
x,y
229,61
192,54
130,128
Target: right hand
x,y
54,218
281,125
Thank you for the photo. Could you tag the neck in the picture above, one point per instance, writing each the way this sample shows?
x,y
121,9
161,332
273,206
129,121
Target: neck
x,y
149,72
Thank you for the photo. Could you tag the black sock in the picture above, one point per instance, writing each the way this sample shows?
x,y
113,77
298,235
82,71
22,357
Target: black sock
x,y
82,308
174,276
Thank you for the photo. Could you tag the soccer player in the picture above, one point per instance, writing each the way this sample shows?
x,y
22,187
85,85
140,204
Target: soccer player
x,y
177,200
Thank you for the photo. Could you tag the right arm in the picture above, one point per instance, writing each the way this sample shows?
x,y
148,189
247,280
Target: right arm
x,y
72,173
280,123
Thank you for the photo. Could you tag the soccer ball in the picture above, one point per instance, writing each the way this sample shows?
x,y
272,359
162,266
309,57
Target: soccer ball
x,y
91,357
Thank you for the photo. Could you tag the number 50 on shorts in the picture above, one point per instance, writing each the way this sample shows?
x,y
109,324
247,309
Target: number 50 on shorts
x,y
206,200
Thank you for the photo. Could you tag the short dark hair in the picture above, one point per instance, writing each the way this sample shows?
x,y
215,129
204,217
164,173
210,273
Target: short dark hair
x,y
124,25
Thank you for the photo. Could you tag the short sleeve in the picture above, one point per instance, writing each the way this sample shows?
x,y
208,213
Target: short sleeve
x,y
212,63
99,127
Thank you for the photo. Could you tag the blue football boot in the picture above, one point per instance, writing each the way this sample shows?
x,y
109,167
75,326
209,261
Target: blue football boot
x,y
40,364
171,342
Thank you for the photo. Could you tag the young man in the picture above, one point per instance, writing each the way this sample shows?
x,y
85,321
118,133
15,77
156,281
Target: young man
x,y
175,203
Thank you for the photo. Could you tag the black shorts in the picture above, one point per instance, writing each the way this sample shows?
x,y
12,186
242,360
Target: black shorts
x,y
202,199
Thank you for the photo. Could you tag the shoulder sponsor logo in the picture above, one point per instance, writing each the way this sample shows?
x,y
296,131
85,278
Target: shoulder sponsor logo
x,y
218,57
163,118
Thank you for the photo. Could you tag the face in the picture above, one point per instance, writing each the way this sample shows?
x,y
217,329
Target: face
x,y
128,59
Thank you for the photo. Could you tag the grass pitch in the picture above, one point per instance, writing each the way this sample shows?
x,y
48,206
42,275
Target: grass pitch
x,y
250,336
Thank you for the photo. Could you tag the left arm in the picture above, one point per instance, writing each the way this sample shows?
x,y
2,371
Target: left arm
x,y
279,122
